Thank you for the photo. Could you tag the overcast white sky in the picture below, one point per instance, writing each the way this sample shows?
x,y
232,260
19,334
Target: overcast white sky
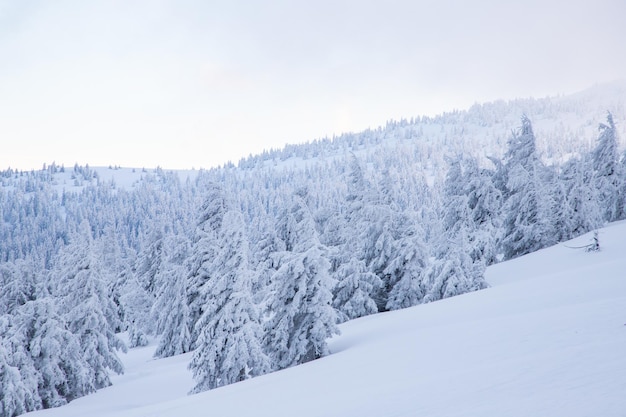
x,y
195,83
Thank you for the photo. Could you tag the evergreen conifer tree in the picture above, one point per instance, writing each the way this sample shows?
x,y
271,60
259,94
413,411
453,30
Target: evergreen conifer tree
x,y
301,313
228,348
353,293
55,353
460,265
88,310
19,379
407,269
353,254
606,168
527,223
171,308
204,250
580,211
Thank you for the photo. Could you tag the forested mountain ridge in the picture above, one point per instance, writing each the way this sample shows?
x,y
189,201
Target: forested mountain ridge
x,y
252,266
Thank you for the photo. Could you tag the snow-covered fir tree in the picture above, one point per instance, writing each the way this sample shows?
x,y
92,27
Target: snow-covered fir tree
x,y
55,352
406,271
18,283
171,308
265,262
16,398
459,266
140,286
204,250
454,274
136,304
19,379
301,315
527,225
606,169
484,201
579,211
228,348
353,293
353,237
90,314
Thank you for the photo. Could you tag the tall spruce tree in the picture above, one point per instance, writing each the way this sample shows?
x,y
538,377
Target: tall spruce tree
x,y
301,315
527,225
170,311
484,201
606,168
88,310
19,379
204,250
228,348
18,283
460,265
580,211
55,352
354,237
354,290
455,273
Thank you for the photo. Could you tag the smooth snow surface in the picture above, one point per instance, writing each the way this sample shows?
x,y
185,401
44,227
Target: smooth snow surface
x,y
548,339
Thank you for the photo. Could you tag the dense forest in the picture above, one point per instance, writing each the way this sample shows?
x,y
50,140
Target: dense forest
x,y
253,266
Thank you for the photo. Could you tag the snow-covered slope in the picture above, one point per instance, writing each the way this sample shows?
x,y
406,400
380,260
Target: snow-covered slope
x,y
548,338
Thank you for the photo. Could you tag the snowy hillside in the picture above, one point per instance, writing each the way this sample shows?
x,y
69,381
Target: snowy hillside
x,y
546,339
